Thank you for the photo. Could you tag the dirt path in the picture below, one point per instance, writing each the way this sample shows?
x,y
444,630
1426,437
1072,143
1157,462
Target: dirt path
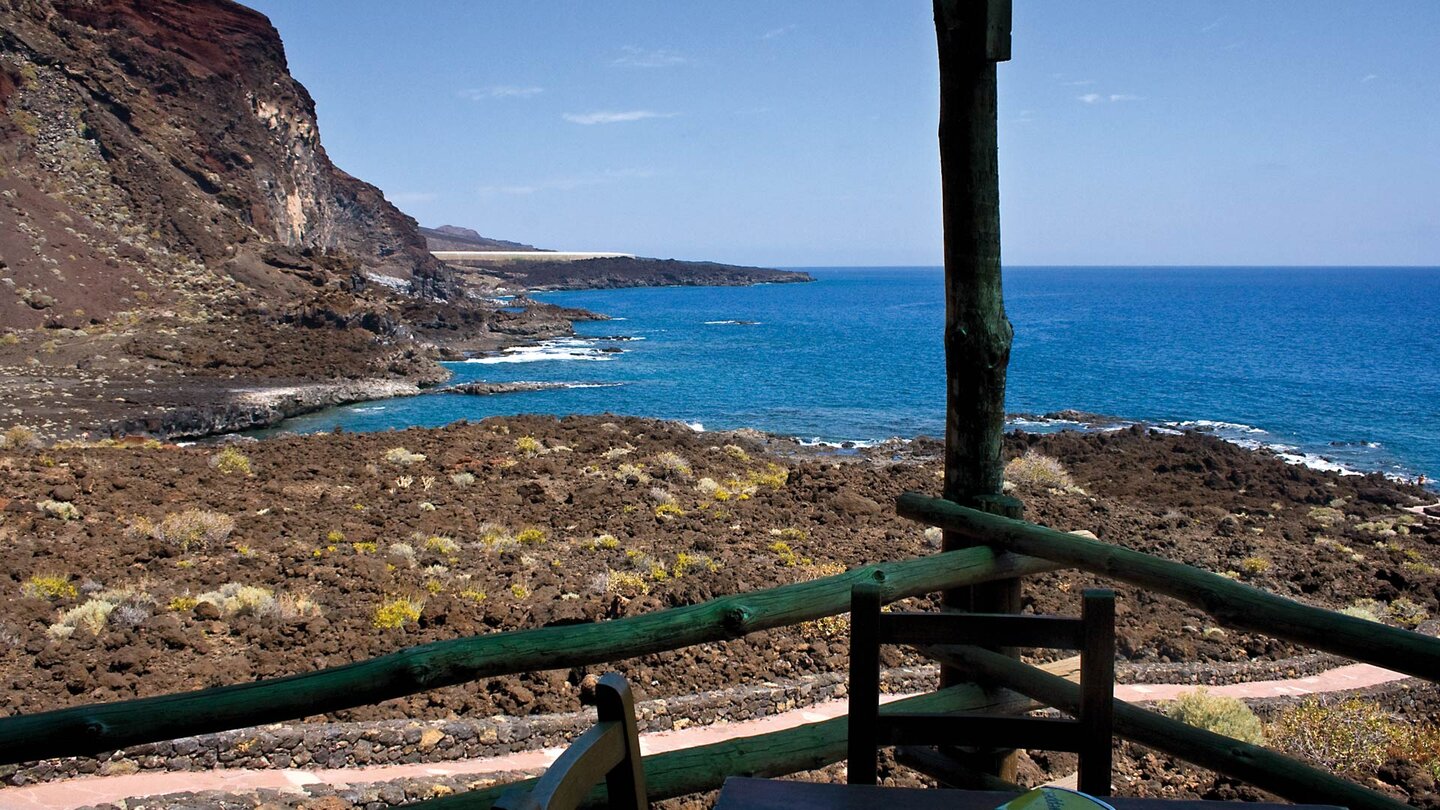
x,y
73,793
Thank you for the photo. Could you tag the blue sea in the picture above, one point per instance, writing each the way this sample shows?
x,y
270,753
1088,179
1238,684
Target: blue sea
x,y
1334,367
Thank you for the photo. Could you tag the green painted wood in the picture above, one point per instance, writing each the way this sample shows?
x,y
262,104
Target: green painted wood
x,y
85,730
1292,779
803,748
1231,603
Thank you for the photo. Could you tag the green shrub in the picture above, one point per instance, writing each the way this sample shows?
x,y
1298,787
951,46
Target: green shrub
x,y
444,546
1037,470
1350,736
398,612
231,460
1217,713
529,446
1255,566
1407,613
530,535
49,586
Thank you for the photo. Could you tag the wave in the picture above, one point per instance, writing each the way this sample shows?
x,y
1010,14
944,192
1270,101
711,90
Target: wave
x,y
1212,425
732,323
561,349
849,443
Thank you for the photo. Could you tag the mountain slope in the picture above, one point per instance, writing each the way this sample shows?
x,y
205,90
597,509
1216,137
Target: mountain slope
x,y
168,214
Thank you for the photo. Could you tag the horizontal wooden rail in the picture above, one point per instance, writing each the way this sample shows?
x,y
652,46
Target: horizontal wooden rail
x,y
1230,602
84,730
803,748
1292,779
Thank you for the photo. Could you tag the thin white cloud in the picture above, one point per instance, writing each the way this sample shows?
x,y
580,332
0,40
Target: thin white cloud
x,y
500,91
647,58
1212,26
777,32
1108,98
411,197
614,117
1370,77
568,183
1078,83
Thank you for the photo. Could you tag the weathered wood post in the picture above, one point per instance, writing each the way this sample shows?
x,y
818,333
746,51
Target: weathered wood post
x,y
973,35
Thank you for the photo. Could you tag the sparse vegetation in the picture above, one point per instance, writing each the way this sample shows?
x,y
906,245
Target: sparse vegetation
x,y
462,479
1348,736
189,530
229,461
1255,566
19,437
627,584
398,612
442,545
529,446
49,586
237,599
531,536
401,457
61,510
91,617
1217,713
672,463
668,510
1035,469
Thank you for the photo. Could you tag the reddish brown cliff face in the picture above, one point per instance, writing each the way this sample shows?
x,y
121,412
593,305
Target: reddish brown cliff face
x,y
158,153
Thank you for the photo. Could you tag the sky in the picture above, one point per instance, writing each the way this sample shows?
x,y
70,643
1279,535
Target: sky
x,y
787,133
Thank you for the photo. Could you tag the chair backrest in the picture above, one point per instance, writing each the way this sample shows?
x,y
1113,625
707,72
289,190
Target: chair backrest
x,y
1090,734
610,751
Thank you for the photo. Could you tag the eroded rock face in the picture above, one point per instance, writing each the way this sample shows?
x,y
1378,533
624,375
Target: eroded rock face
x,y
161,147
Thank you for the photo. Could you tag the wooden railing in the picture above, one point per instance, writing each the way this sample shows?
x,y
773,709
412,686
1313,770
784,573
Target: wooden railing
x,y
1012,549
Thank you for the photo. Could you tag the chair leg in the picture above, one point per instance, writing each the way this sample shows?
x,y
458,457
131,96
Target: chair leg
x,y
864,722
1097,695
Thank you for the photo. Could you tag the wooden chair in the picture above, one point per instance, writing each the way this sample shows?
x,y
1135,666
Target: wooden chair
x,y
610,750
1089,734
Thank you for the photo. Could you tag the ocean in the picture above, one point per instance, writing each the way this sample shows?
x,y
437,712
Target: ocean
x,y
1338,368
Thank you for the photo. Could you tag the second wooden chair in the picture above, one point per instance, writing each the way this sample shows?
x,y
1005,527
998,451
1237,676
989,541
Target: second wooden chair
x,y
609,751
1089,734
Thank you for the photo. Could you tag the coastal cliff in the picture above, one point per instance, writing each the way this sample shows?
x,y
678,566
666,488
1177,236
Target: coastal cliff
x,y
174,237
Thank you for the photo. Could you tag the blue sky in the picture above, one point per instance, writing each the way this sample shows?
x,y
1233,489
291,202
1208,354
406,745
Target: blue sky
x,y
795,133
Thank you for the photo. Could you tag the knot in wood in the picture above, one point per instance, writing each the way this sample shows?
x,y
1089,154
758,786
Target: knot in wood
x,y
737,620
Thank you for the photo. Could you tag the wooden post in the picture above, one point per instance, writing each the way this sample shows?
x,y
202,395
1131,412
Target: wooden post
x,y
972,36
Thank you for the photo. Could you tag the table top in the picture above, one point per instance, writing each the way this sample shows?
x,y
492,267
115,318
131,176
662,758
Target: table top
x,y
741,793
